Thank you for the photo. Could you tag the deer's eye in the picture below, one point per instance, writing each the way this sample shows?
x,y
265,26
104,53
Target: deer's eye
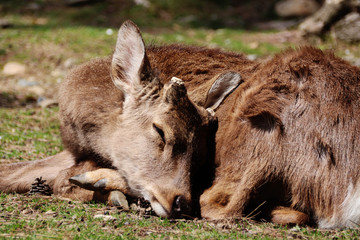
x,y
160,132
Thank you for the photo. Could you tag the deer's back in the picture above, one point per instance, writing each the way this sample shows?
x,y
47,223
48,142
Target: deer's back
x,y
88,102
197,65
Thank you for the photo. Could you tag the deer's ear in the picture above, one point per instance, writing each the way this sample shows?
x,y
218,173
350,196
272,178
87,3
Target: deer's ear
x,y
129,59
223,85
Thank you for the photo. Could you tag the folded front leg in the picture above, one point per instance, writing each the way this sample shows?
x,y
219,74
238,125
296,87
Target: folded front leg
x,y
103,179
231,190
85,181
108,184
285,215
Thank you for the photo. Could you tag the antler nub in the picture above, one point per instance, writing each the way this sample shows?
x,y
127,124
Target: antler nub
x,y
177,81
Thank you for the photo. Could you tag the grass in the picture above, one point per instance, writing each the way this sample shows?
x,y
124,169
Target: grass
x,y
28,134
44,42
36,217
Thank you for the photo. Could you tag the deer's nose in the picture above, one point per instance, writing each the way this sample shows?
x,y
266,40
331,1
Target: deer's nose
x,y
180,207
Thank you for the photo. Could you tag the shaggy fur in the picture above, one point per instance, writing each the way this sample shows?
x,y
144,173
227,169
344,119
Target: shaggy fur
x,y
294,122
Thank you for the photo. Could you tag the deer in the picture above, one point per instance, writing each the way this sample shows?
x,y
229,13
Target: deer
x,y
121,117
291,139
286,136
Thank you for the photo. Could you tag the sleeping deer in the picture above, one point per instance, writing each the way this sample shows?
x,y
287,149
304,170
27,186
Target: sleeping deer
x,y
292,138
286,136
120,115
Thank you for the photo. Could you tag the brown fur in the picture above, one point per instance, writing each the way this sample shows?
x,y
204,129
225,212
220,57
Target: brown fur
x,y
296,122
284,216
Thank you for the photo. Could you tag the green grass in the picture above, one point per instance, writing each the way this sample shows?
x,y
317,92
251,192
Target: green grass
x,y
52,218
28,134
50,46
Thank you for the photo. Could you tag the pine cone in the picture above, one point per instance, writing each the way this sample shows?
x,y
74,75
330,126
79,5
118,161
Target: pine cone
x,y
145,206
40,187
140,205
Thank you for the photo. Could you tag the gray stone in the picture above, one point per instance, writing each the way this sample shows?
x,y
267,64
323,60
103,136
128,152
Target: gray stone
x,y
46,102
105,217
4,23
26,83
70,62
348,28
14,68
296,8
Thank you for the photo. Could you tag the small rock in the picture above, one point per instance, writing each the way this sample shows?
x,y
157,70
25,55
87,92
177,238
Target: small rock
x,y
353,60
254,45
70,62
347,29
278,25
252,57
105,217
41,21
109,32
33,6
295,229
46,102
37,90
57,73
187,19
4,23
76,2
14,68
27,211
356,63
51,213
296,8
144,3
26,83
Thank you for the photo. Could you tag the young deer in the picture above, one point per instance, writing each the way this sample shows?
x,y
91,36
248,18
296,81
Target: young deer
x,y
120,116
292,137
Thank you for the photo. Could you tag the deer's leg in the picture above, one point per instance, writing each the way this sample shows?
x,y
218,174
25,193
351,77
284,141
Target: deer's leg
x,y
101,179
286,215
219,201
92,183
232,189
18,177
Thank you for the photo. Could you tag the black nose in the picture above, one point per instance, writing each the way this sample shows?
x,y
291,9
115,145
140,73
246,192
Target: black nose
x,y
180,206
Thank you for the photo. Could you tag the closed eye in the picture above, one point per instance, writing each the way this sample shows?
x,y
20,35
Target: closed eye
x,y
160,132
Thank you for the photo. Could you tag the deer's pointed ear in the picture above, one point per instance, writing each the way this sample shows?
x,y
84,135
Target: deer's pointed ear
x,y
129,59
223,85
